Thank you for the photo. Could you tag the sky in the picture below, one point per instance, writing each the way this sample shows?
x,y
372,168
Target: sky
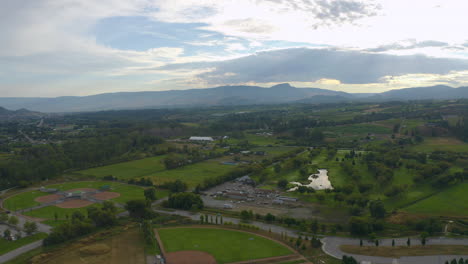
x,y
54,48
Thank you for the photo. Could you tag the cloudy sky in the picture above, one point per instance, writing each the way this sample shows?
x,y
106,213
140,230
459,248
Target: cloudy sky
x,y
82,47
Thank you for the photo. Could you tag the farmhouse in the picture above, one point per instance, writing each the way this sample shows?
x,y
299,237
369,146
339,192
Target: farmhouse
x,y
201,139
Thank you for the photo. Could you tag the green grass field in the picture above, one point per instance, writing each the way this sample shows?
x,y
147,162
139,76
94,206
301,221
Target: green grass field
x,y
50,211
443,144
7,246
450,202
130,169
23,200
225,245
192,174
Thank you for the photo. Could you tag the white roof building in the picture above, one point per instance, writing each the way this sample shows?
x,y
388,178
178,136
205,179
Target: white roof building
x,y
201,138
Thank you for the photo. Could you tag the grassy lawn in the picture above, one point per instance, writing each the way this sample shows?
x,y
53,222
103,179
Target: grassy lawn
x,y
400,251
225,245
23,200
49,212
450,202
7,246
443,144
130,169
192,174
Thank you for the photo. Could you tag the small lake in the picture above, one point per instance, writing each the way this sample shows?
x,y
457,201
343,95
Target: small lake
x,y
318,181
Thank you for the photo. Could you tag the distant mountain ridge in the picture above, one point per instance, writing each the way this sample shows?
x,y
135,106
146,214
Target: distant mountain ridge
x,y
22,113
223,95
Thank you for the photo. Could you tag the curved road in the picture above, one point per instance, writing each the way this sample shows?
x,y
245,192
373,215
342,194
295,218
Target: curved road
x,y
331,245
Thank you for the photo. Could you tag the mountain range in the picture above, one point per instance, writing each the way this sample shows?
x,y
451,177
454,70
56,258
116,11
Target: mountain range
x,y
224,95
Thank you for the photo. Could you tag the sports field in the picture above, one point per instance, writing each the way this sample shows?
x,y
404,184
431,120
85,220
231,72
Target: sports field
x,y
450,202
130,169
225,245
22,200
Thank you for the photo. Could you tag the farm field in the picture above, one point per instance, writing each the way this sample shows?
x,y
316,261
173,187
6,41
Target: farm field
x,y
450,202
130,169
225,245
22,200
192,174
126,247
442,144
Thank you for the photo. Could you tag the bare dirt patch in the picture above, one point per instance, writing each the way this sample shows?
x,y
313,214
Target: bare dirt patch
x,y
105,195
48,198
190,257
74,204
82,190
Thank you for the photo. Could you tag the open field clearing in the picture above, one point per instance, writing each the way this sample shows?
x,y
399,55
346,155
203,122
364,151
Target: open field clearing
x,y
450,202
192,174
399,251
442,144
23,200
126,247
225,245
130,169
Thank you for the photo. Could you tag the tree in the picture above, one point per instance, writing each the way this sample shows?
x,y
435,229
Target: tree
x,y
138,209
408,242
184,201
3,218
269,218
348,260
201,219
30,228
376,242
360,242
7,234
377,209
245,215
393,242
314,226
423,237
282,183
13,220
150,194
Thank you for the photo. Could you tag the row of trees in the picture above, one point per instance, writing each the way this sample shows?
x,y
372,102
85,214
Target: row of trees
x,y
80,225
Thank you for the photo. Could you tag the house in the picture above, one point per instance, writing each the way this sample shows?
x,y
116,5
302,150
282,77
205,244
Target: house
x,y
201,139
228,206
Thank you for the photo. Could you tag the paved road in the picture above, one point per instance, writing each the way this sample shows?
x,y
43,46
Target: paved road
x,y
13,254
332,247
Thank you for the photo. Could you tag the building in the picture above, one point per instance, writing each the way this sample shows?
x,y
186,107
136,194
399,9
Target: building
x,y
48,190
236,195
246,180
201,139
287,199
